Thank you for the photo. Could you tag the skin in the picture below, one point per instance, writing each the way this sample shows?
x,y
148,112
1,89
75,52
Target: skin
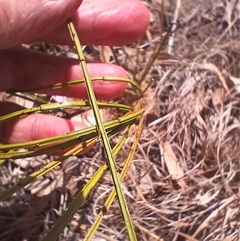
x,y
105,22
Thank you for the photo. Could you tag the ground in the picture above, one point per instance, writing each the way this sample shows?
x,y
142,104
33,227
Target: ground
x,y
183,183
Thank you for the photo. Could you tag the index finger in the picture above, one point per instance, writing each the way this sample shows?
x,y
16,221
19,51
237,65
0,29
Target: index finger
x,y
105,22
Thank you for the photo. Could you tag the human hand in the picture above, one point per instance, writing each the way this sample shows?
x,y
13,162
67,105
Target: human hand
x,y
105,22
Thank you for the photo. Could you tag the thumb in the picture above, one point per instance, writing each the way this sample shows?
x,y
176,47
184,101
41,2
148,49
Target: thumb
x,y
25,21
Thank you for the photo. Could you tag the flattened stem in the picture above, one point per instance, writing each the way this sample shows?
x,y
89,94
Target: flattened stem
x,y
111,162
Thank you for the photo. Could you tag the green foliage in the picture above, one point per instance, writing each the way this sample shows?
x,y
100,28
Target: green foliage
x,y
76,141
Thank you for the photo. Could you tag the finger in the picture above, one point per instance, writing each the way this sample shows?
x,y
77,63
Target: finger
x,y
35,127
26,69
27,20
106,22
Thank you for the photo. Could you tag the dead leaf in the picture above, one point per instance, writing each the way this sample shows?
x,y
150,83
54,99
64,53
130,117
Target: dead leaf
x,y
106,54
173,165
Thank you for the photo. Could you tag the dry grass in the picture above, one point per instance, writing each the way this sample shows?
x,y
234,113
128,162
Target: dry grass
x,y
185,179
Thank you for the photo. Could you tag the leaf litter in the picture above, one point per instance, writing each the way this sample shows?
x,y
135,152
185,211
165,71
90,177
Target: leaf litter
x,y
184,182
